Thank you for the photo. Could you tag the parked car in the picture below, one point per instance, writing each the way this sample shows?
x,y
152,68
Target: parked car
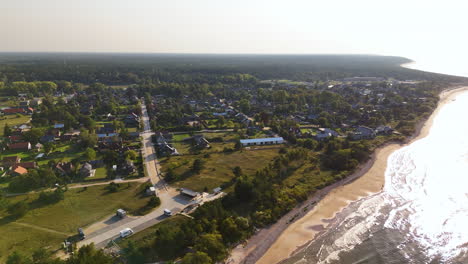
x,y
126,232
121,213
81,233
167,212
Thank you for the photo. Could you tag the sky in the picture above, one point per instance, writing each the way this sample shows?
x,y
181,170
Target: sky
x,y
420,30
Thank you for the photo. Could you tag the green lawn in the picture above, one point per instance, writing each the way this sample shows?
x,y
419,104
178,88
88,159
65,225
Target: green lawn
x,y
47,226
179,137
101,174
63,152
12,120
218,166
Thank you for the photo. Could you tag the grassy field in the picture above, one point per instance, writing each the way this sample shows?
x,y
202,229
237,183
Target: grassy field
x,y
218,166
63,152
8,101
47,226
218,141
101,174
12,120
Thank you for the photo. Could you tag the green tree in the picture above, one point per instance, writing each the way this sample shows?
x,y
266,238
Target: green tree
x,y
90,154
6,130
169,242
33,135
88,254
88,140
18,209
237,171
17,258
230,231
244,105
49,147
198,165
212,245
196,258
130,155
133,254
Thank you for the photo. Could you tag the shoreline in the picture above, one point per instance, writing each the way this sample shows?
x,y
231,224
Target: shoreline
x,y
312,217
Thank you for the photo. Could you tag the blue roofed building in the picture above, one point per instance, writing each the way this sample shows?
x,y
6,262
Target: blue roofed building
x,y
261,141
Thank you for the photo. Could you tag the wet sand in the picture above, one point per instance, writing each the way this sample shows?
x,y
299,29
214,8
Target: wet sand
x,y
282,239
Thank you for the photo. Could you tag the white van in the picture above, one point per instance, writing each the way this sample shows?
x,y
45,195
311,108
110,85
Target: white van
x,y
167,212
126,232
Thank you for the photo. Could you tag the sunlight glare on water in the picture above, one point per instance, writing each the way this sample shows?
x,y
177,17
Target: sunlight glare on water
x,y
433,190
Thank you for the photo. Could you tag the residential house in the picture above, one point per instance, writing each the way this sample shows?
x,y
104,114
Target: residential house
x,y
384,130
23,128
64,168
10,161
27,165
18,170
363,132
15,138
47,139
14,111
59,126
128,167
87,170
162,138
38,146
36,102
110,142
166,149
70,135
132,120
24,103
201,142
20,146
326,133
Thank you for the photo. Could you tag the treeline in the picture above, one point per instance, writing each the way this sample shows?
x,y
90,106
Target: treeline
x,y
138,68
87,254
258,200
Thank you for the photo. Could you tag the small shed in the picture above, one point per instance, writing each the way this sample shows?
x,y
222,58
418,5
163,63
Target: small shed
x,y
151,191
189,192
121,213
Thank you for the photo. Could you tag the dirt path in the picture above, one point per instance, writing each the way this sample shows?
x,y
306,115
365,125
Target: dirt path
x,y
43,229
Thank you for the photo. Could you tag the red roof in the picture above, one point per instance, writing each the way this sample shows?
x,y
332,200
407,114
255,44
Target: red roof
x,y
27,165
13,110
20,170
15,138
12,159
19,145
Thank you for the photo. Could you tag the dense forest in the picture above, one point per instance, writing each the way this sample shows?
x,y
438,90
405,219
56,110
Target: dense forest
x,y
134,68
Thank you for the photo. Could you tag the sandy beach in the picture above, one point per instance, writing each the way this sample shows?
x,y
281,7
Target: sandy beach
x,y
281,240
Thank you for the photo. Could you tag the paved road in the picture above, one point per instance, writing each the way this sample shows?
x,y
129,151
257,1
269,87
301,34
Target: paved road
x,y
104,231
170,198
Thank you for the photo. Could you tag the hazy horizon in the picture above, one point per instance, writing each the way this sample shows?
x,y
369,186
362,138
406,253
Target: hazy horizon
x,y
428,32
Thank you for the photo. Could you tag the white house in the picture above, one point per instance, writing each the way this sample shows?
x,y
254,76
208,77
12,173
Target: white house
x,y
261,141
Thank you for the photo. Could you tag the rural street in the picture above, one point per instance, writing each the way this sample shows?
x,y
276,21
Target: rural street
x,y
102,232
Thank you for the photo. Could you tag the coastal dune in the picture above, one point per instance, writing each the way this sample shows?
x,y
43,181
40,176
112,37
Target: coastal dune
x,y
274,244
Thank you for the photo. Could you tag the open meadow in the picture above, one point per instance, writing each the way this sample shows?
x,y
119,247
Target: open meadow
x,y
49,225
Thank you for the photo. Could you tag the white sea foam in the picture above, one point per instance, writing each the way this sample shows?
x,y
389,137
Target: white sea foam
x,y
427,189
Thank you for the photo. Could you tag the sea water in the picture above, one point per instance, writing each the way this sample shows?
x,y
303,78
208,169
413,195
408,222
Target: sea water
x,y
420,216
